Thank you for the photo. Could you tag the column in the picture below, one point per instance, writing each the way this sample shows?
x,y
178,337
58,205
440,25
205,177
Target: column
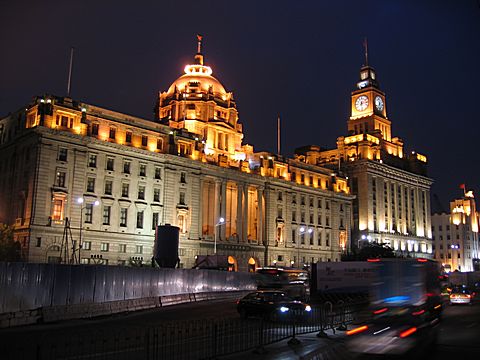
x,y
223,210
260,215
217,208
245,214
239,211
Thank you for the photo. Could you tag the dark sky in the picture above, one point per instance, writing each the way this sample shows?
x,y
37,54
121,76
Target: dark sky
x,y
299,59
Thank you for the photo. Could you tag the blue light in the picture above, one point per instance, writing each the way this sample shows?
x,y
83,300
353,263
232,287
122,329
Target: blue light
x,y
396,299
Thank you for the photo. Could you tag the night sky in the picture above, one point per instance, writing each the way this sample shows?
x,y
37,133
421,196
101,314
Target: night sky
x,y
300,59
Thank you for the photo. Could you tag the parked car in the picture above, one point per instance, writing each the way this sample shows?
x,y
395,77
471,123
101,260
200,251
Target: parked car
x,y
274,305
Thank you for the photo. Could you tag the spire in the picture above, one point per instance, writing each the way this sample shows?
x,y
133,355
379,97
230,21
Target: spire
x,y
199,56
365,46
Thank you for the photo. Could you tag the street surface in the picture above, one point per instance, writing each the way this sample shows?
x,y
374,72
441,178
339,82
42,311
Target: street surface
x,y
459,331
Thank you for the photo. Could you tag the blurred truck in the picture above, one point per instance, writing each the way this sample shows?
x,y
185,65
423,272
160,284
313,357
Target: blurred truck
x,y
405,305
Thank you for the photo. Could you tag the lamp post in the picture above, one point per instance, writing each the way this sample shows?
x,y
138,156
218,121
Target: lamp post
x,y
81,201
221,221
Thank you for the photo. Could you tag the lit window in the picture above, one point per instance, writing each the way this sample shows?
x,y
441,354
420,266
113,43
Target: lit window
x,y
139,249
88,213
156,195
143,170
141,192
104,246
91,184
123,217
154,220
110,163
122,248
108,187
125,187
106,215
126,167
60,179
92,160
140,220
158,173
87,245
57,209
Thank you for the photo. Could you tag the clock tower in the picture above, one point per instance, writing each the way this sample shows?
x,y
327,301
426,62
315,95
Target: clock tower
x,y
369,113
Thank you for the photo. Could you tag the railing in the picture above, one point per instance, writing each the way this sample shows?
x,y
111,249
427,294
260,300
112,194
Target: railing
x,y
194,339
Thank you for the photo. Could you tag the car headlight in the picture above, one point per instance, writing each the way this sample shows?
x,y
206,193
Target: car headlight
x,y
308,308
284,309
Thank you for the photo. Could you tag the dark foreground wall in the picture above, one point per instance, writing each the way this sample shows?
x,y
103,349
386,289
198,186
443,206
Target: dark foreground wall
x,y
26,287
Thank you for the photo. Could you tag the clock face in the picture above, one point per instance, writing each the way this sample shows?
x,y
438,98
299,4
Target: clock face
x,y
379,103
361,103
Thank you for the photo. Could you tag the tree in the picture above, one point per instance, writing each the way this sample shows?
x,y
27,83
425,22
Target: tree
x,y
370,251
10,250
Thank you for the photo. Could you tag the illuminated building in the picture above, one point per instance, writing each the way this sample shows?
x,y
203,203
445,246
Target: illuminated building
x,y
392,204
188,168
455,235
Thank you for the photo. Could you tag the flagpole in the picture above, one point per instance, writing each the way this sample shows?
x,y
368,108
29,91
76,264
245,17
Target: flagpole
x,y
278,135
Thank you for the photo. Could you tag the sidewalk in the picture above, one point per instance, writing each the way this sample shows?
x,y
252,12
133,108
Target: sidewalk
x,y
311,347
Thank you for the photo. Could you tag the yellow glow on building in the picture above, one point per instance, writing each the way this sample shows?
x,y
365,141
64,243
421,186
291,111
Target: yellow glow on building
x,y
422,158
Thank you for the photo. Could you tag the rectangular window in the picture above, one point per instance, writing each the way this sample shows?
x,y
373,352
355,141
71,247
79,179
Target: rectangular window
x,y
88,213
141,192
139,249
158,173
87,245
294,233
92,160
128,137
154,220
125,187
143,170
280,196
39,242
327,221
159,144
94,129
327,239
126,167
106,215
319,238
108,187
144,140
123,217
62,154
122,248
110,163
60,179
104,246
112,133
294,216
57,209
64,121
182,198
156,195
140,220
91,184
311,238
182,177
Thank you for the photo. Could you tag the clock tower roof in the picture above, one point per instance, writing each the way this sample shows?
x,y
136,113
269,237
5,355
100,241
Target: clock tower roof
x,y
368,78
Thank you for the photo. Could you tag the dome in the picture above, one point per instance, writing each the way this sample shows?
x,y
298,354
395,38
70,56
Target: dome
x,y
201,76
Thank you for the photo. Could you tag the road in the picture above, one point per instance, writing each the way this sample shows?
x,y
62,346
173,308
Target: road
x,y
459,332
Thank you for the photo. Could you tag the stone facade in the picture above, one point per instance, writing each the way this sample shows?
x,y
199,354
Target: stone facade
x,y
86,184
392,204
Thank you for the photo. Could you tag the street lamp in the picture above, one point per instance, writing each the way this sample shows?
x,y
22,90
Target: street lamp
x,y
221,221
81,201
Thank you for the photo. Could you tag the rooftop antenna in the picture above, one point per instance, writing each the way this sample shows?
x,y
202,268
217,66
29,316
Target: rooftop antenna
x,y
70,72
365,45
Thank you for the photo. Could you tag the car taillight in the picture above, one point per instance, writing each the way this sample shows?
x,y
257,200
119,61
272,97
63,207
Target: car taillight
x,y
238,302
380,311
408,332
357,330
468,296
420,312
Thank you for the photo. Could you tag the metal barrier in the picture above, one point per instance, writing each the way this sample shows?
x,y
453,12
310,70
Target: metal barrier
x,y
199,339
